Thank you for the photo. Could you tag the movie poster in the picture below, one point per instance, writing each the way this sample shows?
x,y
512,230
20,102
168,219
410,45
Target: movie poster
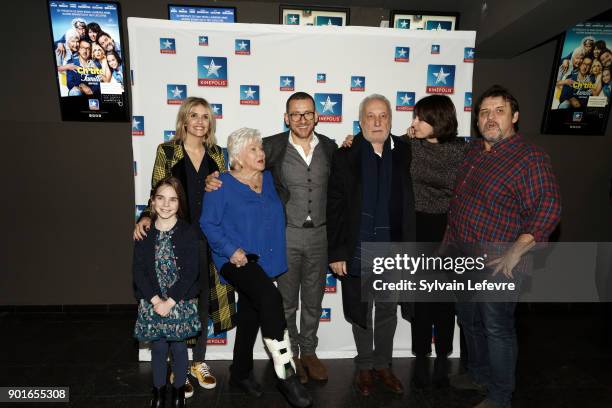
x,y
91,73
202,14
579,99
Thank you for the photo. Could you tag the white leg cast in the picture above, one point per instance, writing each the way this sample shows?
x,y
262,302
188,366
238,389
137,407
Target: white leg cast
x,y
281,355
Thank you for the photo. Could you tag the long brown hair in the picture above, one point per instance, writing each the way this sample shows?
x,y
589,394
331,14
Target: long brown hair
x,y
180,193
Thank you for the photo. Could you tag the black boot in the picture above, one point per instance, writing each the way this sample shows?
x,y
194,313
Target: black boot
x,y
178,397
284,366
420,378
248,385
295,392
159,397
440,376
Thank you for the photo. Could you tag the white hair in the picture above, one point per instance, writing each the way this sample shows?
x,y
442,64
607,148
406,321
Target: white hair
x,y
77,20
238,139
577,51
587,38
373,97
72,33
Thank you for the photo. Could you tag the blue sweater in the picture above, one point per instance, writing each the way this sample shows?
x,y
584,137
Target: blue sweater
x,y
237,217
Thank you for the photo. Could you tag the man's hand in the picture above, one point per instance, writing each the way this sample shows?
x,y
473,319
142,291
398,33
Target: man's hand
x,y
212,182
67,67
506,263
339,268
239,258
61,50
348,141
575,102
141,228
564,66
85,89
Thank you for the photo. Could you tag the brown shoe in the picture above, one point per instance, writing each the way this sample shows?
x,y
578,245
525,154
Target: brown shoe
x,y
364,382
299,370
390,380
315,368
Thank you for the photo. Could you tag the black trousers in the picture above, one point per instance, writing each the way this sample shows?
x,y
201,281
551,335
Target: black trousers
x,y
430,228
259,305
440,315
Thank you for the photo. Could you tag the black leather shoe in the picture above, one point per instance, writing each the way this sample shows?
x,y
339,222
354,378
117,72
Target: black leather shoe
x,y
178,397
420,378
295,392
248,385
440,376
159,397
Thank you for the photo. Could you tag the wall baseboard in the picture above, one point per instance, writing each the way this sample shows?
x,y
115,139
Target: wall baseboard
x,y
68,308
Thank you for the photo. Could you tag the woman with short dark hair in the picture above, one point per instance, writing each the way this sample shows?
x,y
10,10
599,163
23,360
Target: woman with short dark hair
x,y
436,156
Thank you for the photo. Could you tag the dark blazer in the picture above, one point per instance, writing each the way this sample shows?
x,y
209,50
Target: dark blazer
x,y
344,194
185,246
275,148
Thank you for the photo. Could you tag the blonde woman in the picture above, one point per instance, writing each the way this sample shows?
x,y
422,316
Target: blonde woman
x,y
99,57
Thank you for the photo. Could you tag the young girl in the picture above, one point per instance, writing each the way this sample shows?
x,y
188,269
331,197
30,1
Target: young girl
x,y
165,278
114,62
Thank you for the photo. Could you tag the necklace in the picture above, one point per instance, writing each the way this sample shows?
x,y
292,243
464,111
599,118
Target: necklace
x,y
249,182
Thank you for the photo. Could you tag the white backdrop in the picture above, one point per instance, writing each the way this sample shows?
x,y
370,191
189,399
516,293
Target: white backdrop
x,y
245,70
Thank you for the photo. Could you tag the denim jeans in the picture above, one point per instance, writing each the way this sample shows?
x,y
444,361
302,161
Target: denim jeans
x,y
492,349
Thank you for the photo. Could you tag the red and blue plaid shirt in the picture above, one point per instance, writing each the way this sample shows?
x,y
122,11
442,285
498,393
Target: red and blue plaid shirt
x,y
502,193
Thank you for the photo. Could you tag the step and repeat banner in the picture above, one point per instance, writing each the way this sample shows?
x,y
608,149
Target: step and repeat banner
x,y
247,72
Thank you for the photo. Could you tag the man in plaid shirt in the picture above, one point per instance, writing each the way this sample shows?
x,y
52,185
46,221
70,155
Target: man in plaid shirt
x,y
506,192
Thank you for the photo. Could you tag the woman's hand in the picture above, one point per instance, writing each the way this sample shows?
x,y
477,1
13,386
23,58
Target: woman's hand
x,y
141,228
164,307
239,258
410,132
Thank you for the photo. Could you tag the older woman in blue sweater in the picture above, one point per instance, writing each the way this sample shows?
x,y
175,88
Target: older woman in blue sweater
x,y
245,225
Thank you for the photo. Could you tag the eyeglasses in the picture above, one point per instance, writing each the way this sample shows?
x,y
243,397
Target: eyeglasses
x,y
296,117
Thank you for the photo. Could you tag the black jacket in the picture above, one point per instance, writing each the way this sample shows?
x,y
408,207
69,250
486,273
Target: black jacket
x,y
170,161
185,247
344,193
275,148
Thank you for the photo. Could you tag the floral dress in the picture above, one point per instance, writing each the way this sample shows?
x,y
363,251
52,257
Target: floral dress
x,y
183,320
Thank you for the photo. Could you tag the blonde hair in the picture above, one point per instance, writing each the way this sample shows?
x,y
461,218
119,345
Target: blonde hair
x,y
183,115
